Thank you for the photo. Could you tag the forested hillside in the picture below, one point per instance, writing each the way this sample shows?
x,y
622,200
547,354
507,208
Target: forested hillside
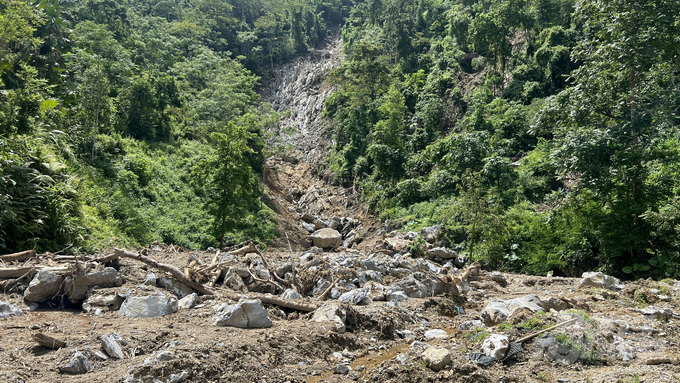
x,y
127,122
542,133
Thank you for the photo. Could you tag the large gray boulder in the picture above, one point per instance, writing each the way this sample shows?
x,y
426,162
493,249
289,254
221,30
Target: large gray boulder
x,y
148,306
331,314
431,234
77,287
245,314
326,238
598,279
9,310
43,286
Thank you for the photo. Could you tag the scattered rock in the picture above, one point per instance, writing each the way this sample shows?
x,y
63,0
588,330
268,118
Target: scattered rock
x,y
496,346
436,334
341,369
245,314
499,278
333,314
108,302
111,347
657,312
159,356
436,358
148,306
555,351
151,280
431,234
43,286
440,253
598,279
471,324
9,310
658,360
176,287
79,364
499,310
357,296
326,238
290,294
188,302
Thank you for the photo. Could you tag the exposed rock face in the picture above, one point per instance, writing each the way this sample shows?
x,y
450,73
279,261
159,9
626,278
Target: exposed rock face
x,y
43,286
149,306
326,238
298,86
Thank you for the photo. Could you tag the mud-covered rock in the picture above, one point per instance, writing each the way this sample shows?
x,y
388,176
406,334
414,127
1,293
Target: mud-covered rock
x,y
555,351
332,314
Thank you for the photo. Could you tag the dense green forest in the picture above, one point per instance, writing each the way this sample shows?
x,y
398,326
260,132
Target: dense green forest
x,y
127,122
542,134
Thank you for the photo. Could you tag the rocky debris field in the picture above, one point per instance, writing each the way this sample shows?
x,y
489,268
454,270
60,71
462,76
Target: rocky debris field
x,y
165,314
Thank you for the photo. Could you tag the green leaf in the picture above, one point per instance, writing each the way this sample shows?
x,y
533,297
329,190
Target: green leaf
x,y
627,269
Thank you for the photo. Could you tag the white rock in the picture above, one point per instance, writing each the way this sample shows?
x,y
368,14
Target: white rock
x,y
496,346
436,334
436,358
174,286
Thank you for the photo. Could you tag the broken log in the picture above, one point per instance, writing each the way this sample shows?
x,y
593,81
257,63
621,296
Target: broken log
x,y
526,338
175,272
48,341
179,274
21,256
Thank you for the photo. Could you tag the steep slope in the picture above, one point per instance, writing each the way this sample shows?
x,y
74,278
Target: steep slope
x,y
294,184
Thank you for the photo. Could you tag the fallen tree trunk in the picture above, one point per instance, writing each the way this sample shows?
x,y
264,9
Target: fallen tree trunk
x,y
21,256
175,272
48,341
179,274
